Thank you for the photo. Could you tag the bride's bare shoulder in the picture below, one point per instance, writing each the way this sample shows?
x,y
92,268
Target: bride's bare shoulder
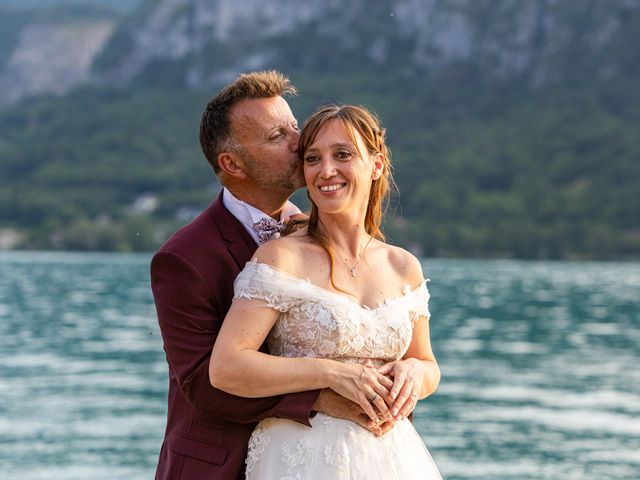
x,y
407,265
286,253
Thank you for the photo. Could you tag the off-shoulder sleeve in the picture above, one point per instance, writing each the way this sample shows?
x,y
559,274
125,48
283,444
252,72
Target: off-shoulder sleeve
x,y
260,285
419,302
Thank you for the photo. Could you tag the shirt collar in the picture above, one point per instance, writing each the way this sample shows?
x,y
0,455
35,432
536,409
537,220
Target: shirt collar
x,y
248,215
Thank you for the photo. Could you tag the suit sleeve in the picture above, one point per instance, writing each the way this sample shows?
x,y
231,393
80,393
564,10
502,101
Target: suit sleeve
x,y
190,318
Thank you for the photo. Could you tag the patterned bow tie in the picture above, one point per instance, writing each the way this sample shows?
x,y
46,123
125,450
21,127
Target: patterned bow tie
x,y
268,228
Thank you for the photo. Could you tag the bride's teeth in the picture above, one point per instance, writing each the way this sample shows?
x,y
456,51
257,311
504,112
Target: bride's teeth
x,y
330,188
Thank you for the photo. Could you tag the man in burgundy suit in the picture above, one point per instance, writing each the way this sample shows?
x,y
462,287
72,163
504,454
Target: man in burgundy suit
x,y
250,137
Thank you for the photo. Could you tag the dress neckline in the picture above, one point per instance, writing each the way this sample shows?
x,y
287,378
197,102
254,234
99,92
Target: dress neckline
x,y
408,291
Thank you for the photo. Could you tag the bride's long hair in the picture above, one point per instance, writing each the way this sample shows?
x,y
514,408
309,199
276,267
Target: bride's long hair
x,y
355,119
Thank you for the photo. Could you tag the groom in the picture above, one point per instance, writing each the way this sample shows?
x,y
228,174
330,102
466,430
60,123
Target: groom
x,y
250,137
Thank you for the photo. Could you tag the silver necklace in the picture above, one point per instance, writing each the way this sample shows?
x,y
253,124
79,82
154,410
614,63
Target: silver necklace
x,y
354,269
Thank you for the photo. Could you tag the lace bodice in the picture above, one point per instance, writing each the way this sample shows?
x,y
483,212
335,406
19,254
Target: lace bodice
x,y
316,322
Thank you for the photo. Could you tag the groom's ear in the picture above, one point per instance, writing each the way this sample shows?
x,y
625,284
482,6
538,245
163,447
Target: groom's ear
x,y
231,164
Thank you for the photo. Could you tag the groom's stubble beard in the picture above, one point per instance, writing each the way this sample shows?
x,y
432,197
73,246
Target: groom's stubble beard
x,y
289,178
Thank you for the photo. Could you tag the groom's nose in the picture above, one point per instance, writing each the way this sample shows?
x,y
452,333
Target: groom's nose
x,y
294,140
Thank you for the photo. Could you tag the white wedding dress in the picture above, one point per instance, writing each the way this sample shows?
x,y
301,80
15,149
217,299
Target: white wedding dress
x,y
316,322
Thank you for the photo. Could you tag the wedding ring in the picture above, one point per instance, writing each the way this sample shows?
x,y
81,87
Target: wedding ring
x,y
414,395
375,395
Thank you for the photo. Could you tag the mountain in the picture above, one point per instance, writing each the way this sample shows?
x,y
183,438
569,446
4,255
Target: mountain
x,y
50,53
121,5
201,43
513,124
505,38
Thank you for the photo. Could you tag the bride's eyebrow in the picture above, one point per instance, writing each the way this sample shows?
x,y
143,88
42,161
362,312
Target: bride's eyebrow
x,y
343,145
311,149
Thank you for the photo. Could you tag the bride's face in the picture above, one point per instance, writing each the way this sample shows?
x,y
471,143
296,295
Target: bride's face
x,y
338,172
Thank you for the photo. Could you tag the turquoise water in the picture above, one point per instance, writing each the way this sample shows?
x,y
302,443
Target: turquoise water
x,y
539,362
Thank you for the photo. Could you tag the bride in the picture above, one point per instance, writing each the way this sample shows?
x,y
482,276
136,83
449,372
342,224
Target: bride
x,y
340,309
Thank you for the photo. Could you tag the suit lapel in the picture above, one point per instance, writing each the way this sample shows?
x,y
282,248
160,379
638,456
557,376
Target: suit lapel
x,y
239,243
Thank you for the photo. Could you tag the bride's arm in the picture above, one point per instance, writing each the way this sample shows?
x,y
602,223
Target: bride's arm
x,y
417,375
238,367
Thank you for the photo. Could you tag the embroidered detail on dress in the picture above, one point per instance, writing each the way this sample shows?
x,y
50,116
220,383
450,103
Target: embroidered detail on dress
x,y
327,422
257,443
337,456
302,454
316,322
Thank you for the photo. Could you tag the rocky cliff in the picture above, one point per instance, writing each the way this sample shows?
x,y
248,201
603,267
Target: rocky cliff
x,y
52,58
200,42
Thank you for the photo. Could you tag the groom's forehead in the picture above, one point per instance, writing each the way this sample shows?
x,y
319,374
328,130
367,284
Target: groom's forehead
x,y
261,116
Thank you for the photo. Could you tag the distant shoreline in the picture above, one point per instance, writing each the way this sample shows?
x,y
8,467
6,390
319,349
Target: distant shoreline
x,y
629,259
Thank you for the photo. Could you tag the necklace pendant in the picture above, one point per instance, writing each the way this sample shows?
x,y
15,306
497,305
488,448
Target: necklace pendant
x,y
353,271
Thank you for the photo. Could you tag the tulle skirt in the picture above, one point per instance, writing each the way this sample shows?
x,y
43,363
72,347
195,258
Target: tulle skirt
x,y
336,449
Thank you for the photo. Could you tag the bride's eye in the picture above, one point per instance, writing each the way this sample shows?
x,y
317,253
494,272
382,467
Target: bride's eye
x,y
343,155
311,158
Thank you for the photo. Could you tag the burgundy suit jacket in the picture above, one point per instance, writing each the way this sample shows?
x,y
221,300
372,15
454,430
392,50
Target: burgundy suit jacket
x,y
192,278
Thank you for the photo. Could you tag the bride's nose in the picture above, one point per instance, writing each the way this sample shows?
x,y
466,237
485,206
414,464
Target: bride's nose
x,y
327,168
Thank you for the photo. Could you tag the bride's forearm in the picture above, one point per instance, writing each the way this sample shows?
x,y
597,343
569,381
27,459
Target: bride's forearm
x,y
431,378
251,374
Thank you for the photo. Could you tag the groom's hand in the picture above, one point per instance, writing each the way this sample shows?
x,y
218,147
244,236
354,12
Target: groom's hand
x,y
296,217
384,427
334,405
294,223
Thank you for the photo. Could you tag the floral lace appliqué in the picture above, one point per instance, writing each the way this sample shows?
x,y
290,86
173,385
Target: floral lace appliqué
x,y
315,322
259,440
337,456
296,457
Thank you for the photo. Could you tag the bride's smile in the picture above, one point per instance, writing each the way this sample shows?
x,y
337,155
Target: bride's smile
x,y
332,187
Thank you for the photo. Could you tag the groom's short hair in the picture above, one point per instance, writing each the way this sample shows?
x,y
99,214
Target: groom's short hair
x,y
215,124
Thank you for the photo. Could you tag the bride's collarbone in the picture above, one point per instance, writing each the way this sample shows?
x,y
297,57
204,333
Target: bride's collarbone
x,y
369,289
375,279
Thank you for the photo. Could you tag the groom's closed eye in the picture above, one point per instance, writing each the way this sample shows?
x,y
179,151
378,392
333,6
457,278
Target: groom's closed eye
x,y
283,132
277,136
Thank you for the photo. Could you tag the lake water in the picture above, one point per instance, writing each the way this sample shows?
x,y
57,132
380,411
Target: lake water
x,y
540,375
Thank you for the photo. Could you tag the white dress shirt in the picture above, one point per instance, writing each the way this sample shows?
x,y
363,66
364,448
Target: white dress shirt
x,y
248,215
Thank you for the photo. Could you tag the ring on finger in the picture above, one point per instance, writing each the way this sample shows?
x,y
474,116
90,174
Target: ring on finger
x,y
414,395
371,400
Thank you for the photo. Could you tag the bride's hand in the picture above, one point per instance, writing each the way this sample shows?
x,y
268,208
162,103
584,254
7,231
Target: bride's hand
x,y
365,386
408,377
